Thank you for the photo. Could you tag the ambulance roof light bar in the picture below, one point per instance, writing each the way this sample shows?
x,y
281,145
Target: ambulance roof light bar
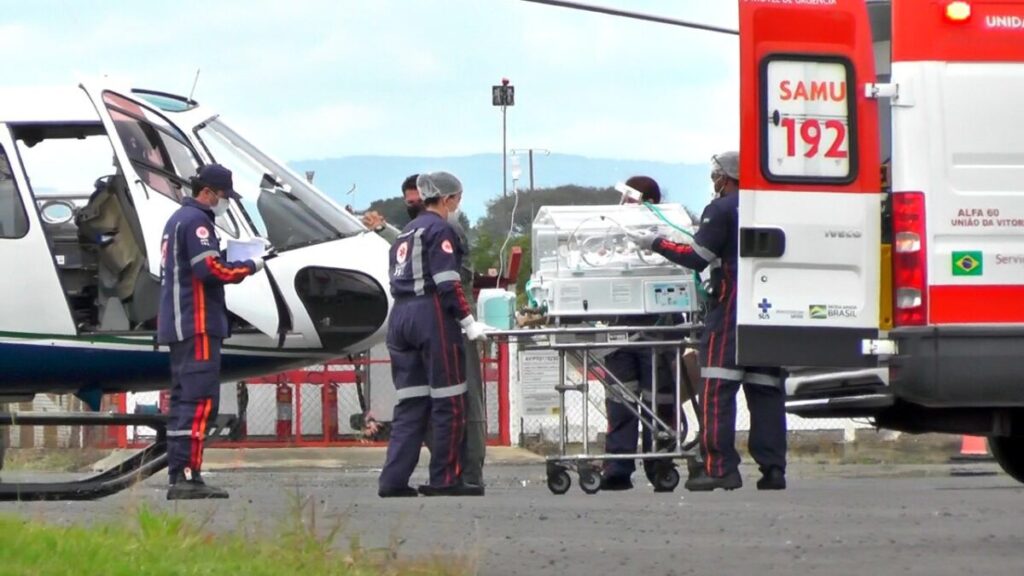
x,y
958,11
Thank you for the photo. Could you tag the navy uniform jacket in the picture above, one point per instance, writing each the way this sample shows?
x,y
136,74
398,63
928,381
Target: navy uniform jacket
x,y
426,259
193,275
714,241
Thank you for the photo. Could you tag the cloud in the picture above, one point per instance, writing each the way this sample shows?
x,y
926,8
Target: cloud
x,y
317,78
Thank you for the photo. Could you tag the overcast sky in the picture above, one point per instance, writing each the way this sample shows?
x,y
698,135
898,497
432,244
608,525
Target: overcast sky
x,y
320,79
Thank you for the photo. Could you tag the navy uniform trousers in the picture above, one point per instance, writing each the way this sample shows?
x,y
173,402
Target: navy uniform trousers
x,y
762,387
195,397
427,367
633,368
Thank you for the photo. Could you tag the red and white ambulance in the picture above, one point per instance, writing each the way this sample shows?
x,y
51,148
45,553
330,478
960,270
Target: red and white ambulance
x,y
882,211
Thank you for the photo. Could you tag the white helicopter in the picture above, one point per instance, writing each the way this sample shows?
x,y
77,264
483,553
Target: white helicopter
x,y
88,177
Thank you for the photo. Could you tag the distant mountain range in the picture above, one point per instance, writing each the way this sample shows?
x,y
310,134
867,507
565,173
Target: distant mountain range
x,y
378,177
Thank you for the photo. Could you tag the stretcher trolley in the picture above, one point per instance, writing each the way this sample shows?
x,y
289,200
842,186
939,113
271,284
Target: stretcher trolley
x,y
581,349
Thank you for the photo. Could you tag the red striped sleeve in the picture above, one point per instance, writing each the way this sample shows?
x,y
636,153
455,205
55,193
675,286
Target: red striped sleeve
x,y
227,274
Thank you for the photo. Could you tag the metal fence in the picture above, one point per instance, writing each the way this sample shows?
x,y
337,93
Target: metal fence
x,y
329,404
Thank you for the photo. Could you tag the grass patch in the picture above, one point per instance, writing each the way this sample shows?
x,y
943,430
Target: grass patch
x,y
152,542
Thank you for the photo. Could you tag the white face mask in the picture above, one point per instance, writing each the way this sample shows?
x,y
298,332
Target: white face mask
x,y
453,216
221,207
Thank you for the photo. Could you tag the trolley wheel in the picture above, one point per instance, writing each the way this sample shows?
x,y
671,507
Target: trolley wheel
x,y
666,479
590,480
559,481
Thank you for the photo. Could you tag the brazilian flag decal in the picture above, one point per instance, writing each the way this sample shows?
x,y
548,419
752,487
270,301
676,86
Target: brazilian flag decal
x,y
968,263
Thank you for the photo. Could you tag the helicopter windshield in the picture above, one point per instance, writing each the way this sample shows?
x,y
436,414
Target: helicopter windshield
x,y
284,208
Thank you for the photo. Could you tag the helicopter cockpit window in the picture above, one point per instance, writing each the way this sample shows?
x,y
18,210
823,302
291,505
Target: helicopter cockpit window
x,y
13,220
160,154
284,208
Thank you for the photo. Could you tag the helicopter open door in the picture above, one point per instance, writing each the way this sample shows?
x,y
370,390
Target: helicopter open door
x,y
156,160
810,201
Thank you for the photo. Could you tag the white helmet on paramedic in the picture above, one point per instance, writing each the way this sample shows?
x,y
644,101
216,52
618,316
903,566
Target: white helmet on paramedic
x,y
727,163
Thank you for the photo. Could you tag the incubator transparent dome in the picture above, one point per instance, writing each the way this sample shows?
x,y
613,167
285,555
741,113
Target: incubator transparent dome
x,y
585,262
593,240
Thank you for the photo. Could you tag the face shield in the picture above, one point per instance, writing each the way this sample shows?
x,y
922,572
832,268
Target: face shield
x,y
630,195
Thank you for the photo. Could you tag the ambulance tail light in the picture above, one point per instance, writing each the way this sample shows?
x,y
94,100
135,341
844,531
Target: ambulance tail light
x,y
909,259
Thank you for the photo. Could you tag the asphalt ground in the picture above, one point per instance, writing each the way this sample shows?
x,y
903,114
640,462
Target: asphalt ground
x,y
834,519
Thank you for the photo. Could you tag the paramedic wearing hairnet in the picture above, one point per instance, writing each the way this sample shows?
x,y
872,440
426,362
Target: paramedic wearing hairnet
x,y
715,245
426,346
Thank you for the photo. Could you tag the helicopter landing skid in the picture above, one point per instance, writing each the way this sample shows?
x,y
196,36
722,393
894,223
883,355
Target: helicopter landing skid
x,y
141,465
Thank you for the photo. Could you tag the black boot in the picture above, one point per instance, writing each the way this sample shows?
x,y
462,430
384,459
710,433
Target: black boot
x,y
773,478
459,489
704,483
616,483
190,486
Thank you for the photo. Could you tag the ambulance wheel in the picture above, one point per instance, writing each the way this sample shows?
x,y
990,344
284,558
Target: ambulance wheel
x,y
1009,452
590,480
666,479
559,481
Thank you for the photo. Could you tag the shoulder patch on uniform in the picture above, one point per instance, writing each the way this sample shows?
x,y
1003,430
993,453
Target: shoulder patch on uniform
x,y
446,246
202,232
402,252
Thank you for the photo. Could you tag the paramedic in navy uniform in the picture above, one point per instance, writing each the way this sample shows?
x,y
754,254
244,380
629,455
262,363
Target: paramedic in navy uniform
x,y
715,245
426,347
632,367
193,321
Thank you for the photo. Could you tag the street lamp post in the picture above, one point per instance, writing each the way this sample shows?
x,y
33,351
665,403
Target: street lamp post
x,y
530,151
504,96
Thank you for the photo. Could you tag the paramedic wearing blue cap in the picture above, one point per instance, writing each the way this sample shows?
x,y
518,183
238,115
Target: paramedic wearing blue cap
x,y
426,347
715,246
193,321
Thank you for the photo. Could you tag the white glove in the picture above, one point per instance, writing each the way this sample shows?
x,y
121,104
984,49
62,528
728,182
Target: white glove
x,y
257,263
644,239
475,330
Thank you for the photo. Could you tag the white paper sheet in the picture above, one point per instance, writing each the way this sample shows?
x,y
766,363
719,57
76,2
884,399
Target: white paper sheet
x,y
240,250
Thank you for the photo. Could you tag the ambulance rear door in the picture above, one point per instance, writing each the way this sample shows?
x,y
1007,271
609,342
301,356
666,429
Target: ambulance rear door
x,y
810,201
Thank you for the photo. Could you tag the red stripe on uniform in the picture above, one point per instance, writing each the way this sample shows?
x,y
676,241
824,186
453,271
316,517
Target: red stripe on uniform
x,y
461,297
444,341
193,457
202,432
454,454
226,273
675,247
705,424
721,355
197,322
